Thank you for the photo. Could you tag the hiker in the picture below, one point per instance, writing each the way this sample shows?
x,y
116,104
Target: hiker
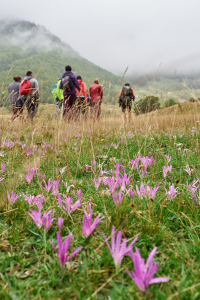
x,y
57,93
68,84
81,96
15,99
96,94
29,89
126,96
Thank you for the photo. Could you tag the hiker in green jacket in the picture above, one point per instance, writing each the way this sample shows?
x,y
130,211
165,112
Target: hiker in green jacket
x,y
57,93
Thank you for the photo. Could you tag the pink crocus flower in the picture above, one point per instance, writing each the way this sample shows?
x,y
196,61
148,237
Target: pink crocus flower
x,y
87,167
75,148
117,198
151,191
168,157
97,182
117,249
188,170
130,192
172,193
13,197
144,273
30,199
31,173
69,207
142,192
166,170
55,187
48,185
3,166
79,193
60,223
47,219
36,216
63,248
88,227
29,152
1,179
94,163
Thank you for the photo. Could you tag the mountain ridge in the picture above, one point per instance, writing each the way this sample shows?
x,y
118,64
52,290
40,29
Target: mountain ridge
x,y
27,46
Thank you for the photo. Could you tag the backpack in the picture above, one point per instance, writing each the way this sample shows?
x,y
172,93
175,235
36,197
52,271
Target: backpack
x,y
127,95
25,88
67,83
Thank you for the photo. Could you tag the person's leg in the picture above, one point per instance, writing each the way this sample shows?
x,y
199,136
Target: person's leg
x,y
57,108
14,114
98,109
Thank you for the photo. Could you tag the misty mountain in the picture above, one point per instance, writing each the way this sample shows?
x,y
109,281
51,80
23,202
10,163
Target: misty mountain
x,y
27,46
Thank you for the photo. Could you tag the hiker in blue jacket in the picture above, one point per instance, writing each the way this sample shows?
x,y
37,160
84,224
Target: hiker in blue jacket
x,y
68,84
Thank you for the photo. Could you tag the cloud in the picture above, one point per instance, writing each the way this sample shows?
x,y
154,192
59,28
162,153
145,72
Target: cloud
x,y
115,34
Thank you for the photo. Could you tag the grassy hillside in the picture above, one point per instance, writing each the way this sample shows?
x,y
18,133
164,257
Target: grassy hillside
x,y
45,54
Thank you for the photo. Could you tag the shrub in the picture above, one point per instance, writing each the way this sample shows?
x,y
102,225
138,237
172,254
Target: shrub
x,y
193,100
147,104
169,102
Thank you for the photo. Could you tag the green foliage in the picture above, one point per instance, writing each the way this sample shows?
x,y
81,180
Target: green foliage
x,y
147,104
169,102
193,100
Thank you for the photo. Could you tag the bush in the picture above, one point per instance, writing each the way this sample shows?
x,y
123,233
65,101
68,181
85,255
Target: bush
x,y
147,104
194,100
169,102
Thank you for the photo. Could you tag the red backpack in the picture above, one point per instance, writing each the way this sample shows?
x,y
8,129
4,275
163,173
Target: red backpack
x,y
25,88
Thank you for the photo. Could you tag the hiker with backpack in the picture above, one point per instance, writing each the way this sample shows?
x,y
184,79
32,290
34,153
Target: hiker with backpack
x,y
81,96
126,96
57,93
68,84
15,99
29,89
96,94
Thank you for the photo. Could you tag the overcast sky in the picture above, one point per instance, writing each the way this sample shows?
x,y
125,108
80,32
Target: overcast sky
x,y
115,34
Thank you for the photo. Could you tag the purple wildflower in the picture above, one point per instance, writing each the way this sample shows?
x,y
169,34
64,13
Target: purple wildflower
x,y
88,227
60,223
13,197
166,170
87,167
55,187
3,166
1,179
188,170
31,173
97,182
29,152
168,158
172,193
79,193
117,249
36,216
94,163
47,219
117,198
69,207
144,273
63,248
48,185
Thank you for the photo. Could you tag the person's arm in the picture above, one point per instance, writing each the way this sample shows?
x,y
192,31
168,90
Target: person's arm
x,y
120,93
76,83
61,85
101,93
35,84
133,95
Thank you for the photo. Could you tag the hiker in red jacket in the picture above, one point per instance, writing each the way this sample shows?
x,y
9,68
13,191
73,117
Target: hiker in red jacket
x,y
96,94
81,95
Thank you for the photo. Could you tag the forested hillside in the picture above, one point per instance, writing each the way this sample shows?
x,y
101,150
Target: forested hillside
x,y
26,46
